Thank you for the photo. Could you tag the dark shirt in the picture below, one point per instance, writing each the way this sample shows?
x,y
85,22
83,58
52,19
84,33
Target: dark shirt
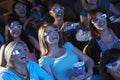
x,y
94,49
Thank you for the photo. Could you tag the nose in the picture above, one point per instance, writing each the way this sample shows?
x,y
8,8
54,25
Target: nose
x,y
53,32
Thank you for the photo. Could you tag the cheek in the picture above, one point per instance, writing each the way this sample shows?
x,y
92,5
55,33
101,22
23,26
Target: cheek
x,y
52,14
17,12
47,39
11,33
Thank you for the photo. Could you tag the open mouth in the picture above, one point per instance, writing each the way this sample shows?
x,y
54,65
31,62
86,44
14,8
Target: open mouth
x,y
101,23
54,38
23,58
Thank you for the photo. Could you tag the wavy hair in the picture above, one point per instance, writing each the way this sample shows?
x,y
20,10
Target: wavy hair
x,y
91,15
43,44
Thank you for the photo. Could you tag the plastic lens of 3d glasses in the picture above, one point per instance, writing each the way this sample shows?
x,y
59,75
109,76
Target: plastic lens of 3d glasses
x,y
56,10
97,18
16,52
113,64
15,27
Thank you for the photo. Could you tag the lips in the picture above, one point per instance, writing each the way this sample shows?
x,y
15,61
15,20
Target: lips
x,y
54,37
23,58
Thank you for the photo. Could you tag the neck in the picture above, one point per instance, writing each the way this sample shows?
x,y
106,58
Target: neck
x,y
105,32
20,69
23,19
54,49
16,38
58,22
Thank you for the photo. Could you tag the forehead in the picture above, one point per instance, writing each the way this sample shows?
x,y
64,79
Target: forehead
x,y
49,28
19,4
99,13
55,5
20,46
14,23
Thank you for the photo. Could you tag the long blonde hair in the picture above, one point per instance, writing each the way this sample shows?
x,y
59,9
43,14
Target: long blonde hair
x,y
43,45
9,50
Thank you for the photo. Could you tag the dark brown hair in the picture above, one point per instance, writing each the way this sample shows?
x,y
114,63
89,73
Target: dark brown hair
x,y
91,15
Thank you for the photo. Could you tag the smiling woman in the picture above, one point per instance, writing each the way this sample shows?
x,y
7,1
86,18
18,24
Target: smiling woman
x,y
55,55
105,35
16,55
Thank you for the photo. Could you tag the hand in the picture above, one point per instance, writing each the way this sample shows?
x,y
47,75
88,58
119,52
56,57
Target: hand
x,y
86,77
116,20
114,71
78,78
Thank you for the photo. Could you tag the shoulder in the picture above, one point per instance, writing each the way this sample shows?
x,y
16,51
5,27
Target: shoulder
x,y
6,74
31,63
45,60
68,45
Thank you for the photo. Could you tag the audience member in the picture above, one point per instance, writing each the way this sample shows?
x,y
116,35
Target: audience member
x,y
105,35
58,59
110,65
20,10
91,4
22,13
70,13
57,12
70,30
14,32
74,33
18,65
36,17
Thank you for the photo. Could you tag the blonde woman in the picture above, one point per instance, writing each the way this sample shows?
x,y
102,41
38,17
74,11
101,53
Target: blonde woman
x,y
58,59
18,65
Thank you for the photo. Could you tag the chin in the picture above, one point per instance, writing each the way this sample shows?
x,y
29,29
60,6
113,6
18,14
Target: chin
x,y
54,42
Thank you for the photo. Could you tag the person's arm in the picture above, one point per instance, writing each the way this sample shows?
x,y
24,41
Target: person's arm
x,y
113,71
48,70
88,61
45,63
2,58
42,73
35,42
114,10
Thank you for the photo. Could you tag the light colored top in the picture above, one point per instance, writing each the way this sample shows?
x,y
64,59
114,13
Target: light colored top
x,y
36,73
62,67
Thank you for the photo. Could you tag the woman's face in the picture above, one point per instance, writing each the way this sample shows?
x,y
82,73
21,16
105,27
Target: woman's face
x,y
20,9
114,68
100,21
57,11
20,53
51,35
15,29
